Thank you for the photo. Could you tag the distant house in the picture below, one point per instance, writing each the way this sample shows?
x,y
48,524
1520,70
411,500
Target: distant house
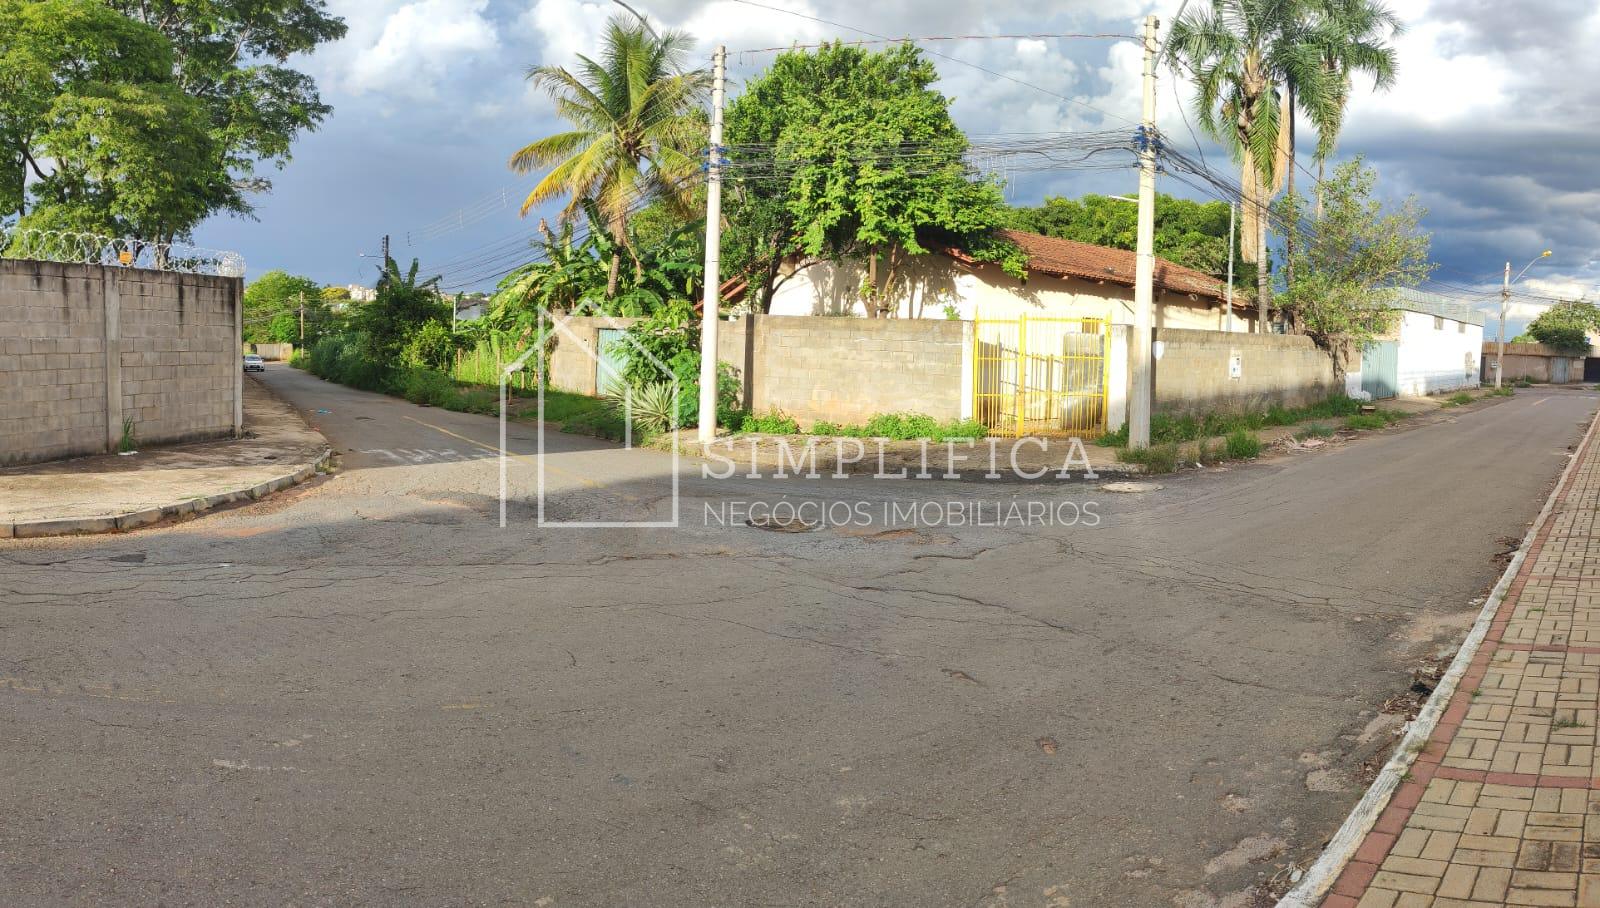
x,y
360,294
1065,278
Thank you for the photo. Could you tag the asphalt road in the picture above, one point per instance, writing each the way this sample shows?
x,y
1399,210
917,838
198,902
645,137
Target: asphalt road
x,y
366,692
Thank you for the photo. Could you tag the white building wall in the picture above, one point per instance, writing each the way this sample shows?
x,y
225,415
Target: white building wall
x,y
938,287
1434,358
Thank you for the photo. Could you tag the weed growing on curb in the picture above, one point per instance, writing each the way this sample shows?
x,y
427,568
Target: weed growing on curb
x,y
1154,459
1242,444
127,443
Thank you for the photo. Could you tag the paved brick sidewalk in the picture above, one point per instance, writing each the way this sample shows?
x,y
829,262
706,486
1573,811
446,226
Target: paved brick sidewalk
x,y
1503,805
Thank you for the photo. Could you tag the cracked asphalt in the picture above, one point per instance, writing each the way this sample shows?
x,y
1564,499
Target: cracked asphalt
x,y
365,692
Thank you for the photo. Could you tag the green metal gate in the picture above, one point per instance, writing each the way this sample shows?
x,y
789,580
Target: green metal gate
x,y
1380,369
610,361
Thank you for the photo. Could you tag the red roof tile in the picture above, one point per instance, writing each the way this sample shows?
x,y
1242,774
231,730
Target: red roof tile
x,y
1069,258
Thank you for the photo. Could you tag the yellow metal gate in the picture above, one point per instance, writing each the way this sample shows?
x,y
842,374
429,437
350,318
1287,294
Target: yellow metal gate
x,y
1040,376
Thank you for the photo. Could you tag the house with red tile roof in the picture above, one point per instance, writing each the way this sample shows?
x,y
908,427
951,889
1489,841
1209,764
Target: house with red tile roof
x,y
1065,279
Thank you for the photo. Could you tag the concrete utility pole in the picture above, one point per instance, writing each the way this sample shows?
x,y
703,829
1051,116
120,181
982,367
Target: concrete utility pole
x,y
302,318
713,276
1505,299
1141,388
386,249
1500,352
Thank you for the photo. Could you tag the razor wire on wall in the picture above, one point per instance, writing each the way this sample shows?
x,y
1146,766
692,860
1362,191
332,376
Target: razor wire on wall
x,y
72,247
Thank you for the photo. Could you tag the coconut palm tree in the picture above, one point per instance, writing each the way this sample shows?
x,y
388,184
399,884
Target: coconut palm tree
x,y
1243,55
637,128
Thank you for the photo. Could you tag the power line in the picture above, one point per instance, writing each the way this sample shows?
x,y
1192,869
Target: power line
x,y
982,69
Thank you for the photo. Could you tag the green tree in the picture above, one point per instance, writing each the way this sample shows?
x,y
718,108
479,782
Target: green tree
x,y
229,56
1189,233
824,139
278,294
636,128
1350,37
1241,55
1351,260
1566,326
404,304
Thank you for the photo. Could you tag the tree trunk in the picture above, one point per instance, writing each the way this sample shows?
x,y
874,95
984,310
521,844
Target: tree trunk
x,y
1263,278
1321,165
611,279
1288,235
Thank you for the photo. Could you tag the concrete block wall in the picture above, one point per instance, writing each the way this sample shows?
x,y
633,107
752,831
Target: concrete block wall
x,y
814,367
849,369
1194,374
1535,362
83,346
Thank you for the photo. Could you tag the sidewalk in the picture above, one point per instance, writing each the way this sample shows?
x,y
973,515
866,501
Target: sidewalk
x,y
1502,805
107,493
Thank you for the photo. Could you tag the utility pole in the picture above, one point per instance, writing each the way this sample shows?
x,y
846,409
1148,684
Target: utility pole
x,y
713,276
1141,388
1227,318
302,318
386,250
1500,353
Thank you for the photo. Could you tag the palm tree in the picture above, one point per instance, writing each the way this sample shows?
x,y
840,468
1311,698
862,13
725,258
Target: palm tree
x,y
636,128
1243,54
1350,37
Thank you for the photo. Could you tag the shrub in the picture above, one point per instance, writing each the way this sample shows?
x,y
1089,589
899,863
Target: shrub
x,y
1242,444
654,408
430,347
771,423
426,387
824,427
1154,459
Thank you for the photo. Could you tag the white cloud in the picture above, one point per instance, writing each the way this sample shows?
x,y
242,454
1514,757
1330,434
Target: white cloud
x,y
420,43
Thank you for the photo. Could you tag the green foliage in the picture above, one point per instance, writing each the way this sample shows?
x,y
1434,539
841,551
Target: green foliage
x,y
832,125
666,347
1242,444
150,115
1458,400
1315,430
1188,233
271,304
1166,428
402,307
1566,326
341,358
1503,391
1376,420
906,427
771,423
636,125
430,347
1162,458
424,386
1351,259
129,441
652,407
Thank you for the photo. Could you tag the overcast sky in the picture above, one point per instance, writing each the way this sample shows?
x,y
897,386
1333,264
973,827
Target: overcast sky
x,y
1492,125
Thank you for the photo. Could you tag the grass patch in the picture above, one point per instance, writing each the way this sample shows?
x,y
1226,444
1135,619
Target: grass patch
x,y
1503,391
1154,459
903,427
1242,444
1524,383
1459,399
1315,430
770,423
1570,722
1166,428
1375,420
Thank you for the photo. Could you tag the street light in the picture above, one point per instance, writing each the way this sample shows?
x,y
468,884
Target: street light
x,y
1505,298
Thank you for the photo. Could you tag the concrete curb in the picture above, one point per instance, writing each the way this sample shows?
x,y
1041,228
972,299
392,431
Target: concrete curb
x,y
116,523
1309,892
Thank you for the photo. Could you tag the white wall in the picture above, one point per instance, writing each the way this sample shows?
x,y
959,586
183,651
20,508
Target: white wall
x,y
1434,359
937,286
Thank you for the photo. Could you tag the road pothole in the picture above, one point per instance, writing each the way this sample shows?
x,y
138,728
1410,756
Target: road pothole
x,y
781,525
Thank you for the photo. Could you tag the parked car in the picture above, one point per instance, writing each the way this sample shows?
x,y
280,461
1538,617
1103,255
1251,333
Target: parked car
x,y
254,363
